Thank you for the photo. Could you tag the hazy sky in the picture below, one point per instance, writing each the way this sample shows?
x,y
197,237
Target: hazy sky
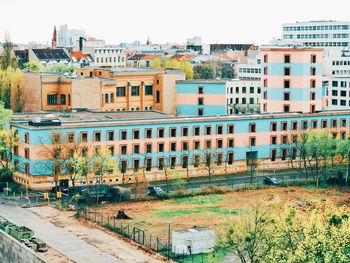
x,y
225,21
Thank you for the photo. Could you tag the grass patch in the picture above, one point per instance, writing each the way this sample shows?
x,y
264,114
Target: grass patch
x,y
198,200
198,210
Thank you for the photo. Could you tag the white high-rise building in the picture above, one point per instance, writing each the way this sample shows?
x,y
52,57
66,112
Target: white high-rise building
x,y
326,34
67,38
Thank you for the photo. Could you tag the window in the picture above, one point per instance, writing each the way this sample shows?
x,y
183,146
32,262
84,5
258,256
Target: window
x,y
343,122
111,97
286,58
208,144
273,126
284,126
148,148
251,90
26,153
27,168
106,98
230,158
285,108
265,83
184,161
84,137
63,99
313,83
286,96
244,89
287,71
284,139
273,155
136,165
252,141
284,154
314,124
207,130
334,83
136,149
265,58
135,90
313,71
230,143
196,145
230,129
123,166
219,143
110,135
312,108
200,101
265,70
265,95
136,134
324,124
161,163
173,146
200,90
148,133
196,161
184,131
286,83
123,149
111,150
56,138
149,90
97,136
305,125
160,147
185,146
173,132
52,99
200,112
161,133
70,137
312,95
219,129
334,123
196,131
157,96
26,138
274,140
313,58
252,127
121,92
219,159
172,162
148,164
123,135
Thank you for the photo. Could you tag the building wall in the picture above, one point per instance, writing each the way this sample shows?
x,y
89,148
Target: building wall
x,y
300,78
86,93
31,92
338,93
188,97
40,139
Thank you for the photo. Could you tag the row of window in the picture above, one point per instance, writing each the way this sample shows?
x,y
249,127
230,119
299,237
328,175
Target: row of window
x,y
313,124
244,90
287,83
313,36
243,101
342,93
109,59
341,62
309,28
250,70
341,102
104,51
326,44
341,72
287,71
287,58
56,99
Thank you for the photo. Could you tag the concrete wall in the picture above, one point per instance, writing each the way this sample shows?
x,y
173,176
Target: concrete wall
x,y
86,93
11,251
31,92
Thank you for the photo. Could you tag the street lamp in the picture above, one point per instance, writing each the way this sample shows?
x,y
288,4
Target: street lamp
x,y
169,225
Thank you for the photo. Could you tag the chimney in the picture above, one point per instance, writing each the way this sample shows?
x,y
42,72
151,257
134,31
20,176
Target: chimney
x,y
81,39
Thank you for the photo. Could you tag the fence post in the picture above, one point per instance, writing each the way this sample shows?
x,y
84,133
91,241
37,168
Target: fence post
x,y
107,221
101,223
114,222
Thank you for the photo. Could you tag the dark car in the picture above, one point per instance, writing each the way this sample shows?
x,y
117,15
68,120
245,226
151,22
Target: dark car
x,y
117,193
155,191
271,181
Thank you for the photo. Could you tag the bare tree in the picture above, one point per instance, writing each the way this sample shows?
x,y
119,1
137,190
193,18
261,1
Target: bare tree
x,y
208,163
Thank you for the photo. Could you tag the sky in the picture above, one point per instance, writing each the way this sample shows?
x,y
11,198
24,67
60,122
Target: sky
x,y
216,21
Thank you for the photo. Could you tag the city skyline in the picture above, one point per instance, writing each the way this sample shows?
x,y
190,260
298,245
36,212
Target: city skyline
x,y
138,20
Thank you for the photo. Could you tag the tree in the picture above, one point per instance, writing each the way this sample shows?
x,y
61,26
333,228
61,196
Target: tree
x,y
16,100
204,71
166,63
208,163
76,166
187,68
5,87
5,116
156,63
8,141
60,68
227,71
7,59
33,66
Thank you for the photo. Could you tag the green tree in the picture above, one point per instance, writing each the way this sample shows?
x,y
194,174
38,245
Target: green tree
x,y
16,99
156,63
60,68
204,71
33,66
7,59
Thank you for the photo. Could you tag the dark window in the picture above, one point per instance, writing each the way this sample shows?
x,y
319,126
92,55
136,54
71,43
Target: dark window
x,y
313,58
123,135
313,83
343,122
314,124
63,99
184,161
286,58
52,99
207,130
26,153
185,131
84,137
148,148
161,163
230,129
123,149
230,143
266,58
196,161
286,96
121,92
200,90
136,134
135,90
312,95
148,164
200,112
173,146
185,146
286,83
305,125
284,126
324,123
161,147
196,145
110,135
287,71
161,133
251,90
200,101
284,154
157,96
219,143
313,71
273,126
252,141
273,140
219,129
123,166
286,108
273,155
136,149
230,158
136,165
149,90
284,139
252,127
244,89
172,132
334,124
294,125
148,133
196,131
208,144
172,162
106,98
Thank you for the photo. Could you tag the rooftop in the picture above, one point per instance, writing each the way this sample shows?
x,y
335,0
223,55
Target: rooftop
x,y
50,53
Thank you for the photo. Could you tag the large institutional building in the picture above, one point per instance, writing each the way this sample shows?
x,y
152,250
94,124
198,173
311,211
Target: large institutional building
x,y
149,144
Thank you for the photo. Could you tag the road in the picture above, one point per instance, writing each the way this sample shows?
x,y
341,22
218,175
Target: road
x,y
68,236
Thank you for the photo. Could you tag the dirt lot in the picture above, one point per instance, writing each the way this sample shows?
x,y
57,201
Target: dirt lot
x,y
216,211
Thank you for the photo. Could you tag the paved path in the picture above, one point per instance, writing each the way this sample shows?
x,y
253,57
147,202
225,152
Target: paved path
x,y
79,248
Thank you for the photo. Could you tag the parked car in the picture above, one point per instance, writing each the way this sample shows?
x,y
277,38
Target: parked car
x,y
40,245
271,181
117,194
155,191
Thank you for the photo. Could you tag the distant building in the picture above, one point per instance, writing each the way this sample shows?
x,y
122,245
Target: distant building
x,y
226,47
67,38
49,56
81,60
243,96
338,93
141,60
292,79
201,97
54,39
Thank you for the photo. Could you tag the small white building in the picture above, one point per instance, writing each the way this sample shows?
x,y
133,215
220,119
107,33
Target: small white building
x,y
193,241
